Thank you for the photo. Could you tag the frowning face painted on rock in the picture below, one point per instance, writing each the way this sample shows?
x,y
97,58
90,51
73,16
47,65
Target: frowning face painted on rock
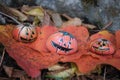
x,y
62,43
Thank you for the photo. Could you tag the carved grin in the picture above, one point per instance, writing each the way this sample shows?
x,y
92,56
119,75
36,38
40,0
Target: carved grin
x,y
99,48
57,46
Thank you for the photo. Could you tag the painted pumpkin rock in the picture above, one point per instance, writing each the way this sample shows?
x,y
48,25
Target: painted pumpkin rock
x,y
43,33
62,43
25,33
102,43
102,46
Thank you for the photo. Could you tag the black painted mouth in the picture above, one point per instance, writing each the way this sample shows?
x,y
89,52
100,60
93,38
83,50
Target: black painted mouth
x,y
27,40
57,46
100,48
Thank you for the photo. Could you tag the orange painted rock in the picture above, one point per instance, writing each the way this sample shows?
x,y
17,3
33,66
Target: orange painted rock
x,y
102,46
25,33
102,43
62,42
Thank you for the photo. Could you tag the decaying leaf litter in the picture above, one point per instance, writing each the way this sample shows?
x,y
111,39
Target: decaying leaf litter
x,y
40,17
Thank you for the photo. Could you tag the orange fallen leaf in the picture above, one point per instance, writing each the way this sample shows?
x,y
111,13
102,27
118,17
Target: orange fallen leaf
x,y
88,60
117,36
33,57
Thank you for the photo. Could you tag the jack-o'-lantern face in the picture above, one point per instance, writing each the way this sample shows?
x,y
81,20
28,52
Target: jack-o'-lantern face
x,y
25,33
62,43
102,46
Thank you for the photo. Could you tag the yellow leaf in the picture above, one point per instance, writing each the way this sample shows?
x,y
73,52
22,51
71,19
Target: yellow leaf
x,y
35,12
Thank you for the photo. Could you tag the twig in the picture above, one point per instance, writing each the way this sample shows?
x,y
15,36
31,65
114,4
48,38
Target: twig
x,y
10,17
2,57
104,76
107,25
66,16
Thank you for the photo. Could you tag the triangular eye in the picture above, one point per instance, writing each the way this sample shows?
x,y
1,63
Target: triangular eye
x,y
61,40
69,42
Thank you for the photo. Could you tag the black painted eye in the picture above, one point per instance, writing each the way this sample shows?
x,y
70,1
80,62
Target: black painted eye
x,y
27,33
64,44
33,32
69,42
104,44
98,43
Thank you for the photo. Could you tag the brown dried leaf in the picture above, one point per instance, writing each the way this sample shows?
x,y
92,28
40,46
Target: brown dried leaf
x,y
24,78
18,73
8,70
57,19
66,16
47,20
6,10
2,78
73,22
20,15
25,8
28,78
37,78
89,26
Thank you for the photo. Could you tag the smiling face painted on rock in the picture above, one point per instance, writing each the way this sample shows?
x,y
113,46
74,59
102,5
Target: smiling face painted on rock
x,y
62,43
102,46
25,33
